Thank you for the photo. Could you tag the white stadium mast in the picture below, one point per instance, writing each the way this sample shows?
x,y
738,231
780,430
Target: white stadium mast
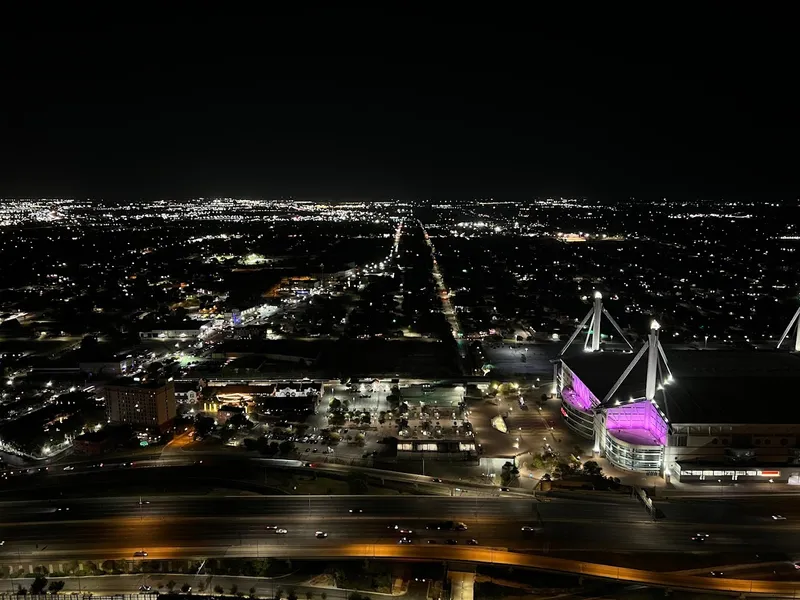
x,y
595,313
654,351
795,322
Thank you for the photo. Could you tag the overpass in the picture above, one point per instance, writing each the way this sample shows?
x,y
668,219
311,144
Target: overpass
x,y
476,555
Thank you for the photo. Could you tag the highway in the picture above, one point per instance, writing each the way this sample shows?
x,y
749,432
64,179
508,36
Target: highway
x,y
218,525
192,526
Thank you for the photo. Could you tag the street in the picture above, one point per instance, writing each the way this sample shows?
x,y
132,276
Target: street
x,y
216,525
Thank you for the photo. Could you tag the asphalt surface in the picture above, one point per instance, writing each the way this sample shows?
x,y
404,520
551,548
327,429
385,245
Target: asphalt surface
x,y
109,585
37,531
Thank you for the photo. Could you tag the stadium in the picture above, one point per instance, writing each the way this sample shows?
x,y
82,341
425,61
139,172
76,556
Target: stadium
x,y
685,414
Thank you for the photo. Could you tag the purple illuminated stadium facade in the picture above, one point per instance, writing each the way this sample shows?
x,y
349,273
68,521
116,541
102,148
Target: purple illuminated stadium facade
x,y
631,436
578,395
639,423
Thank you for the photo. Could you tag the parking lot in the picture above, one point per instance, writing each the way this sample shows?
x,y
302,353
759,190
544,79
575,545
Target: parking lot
x,y
520,359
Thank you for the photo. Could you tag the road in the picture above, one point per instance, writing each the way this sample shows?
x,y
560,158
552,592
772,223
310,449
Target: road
x,y
109,585
171,526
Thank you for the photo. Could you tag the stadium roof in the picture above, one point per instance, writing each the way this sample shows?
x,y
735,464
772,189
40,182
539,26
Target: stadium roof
x,y
709,386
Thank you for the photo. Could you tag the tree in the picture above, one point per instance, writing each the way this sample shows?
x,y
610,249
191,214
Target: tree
x,y
335,405
286,447
227,434
537,462
240,420
171,585
309,595
89,342
591,468
234,589
185,588
292,595
250,444
21,591
324,596
508,473
55,586
218,589
203,425
38,585
252,592
563,470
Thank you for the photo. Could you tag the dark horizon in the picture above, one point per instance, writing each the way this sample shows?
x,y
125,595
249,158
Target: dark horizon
x,y
510,116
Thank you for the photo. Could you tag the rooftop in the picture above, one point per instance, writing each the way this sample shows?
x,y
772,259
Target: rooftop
x,y
130,382
709,386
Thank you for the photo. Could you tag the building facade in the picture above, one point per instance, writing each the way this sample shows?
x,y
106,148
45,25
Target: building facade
x,y
147,405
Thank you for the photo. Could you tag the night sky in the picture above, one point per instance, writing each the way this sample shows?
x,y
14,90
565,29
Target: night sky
x,y
406,107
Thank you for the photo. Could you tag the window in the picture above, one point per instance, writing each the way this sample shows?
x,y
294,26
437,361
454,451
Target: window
x,y
405,447
428,447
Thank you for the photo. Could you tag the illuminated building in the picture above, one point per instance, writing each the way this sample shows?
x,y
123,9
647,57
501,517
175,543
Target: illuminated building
x,y
706,415
146,404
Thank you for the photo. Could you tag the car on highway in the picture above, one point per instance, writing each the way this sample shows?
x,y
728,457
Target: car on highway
x,y
435,542
405,540
69,468
528,528
356,510
406,531
281,531
452,542
716,573
140,554
271,527
778,517
436,480
145,588
795,563
472,542
2,542
321,534
700,538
